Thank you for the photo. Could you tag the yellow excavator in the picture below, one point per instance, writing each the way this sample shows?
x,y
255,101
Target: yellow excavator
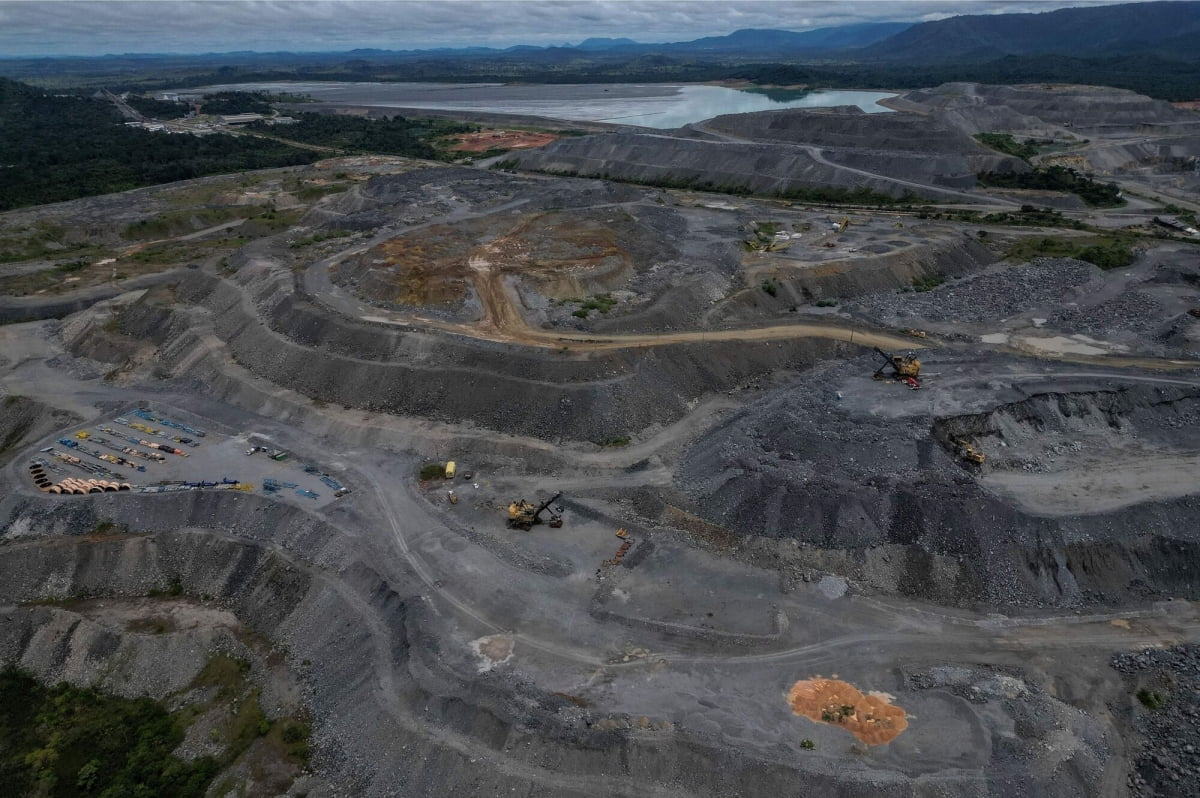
x,y
524,515
968,452
905,368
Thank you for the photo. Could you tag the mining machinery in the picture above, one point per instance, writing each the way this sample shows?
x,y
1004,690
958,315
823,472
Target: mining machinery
x,y
905,368
524,515
968,452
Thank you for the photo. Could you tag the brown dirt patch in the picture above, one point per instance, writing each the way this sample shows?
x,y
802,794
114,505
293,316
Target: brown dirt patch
x,y
493,650
495,139
563,251
422,269
870,718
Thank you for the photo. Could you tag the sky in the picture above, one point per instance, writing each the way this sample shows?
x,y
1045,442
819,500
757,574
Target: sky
x,y
98,27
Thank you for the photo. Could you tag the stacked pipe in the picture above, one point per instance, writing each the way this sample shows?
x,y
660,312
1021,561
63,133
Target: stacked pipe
x,y
71,485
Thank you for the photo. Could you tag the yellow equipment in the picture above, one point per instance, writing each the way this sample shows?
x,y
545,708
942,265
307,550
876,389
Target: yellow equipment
x,y
904,367
450,470
843,224
968,452
523,514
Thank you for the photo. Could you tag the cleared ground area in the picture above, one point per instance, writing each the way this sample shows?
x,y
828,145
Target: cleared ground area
x,y
848,501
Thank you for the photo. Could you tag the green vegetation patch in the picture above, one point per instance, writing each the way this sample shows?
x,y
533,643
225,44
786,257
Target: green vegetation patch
x,y
52,280
68,741
927,283
56,147
1184,215
174,223
1105,251
1027,216
40,240
1057,178
224,672
1151,700
156,109
318,238
1005,143
410,138
236,102
601,302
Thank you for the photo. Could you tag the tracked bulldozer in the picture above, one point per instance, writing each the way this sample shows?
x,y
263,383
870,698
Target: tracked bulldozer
x,y
524,515
905,368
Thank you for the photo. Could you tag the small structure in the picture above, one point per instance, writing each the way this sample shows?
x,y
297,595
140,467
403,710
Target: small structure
x,y
1171,223
241,119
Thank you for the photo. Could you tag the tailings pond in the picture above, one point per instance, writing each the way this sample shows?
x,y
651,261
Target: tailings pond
x,y
654,105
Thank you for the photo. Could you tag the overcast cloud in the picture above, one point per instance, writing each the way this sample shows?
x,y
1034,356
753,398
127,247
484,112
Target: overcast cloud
x,y
67,27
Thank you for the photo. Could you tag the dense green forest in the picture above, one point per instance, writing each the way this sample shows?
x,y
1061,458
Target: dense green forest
x,y
67,741
411,138
1058,178
1161,78
61,147
156,109
236,102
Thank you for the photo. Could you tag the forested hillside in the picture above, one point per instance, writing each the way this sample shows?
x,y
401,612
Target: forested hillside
x,y
56,147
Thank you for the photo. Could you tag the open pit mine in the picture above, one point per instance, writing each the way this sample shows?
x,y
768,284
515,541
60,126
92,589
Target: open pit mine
x,y
569,478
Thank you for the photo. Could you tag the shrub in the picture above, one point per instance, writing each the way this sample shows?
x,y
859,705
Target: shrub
x,y
927,283
1151,700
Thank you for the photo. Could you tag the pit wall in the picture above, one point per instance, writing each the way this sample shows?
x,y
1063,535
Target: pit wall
x,y
371,655
853,277
890,508
654,159
518,390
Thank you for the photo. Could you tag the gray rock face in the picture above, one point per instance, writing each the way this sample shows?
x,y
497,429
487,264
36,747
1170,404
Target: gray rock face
x,y
658,159
518,390
795,465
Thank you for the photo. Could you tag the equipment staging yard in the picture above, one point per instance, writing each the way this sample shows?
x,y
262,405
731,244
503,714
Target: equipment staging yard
x,y
816,588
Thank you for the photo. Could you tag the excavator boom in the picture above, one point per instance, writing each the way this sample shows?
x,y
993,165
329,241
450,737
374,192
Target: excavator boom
x,y
537,514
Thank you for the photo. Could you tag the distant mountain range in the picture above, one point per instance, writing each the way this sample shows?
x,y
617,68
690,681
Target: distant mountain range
x,y
1160,28
762,41
1151,47
1164,28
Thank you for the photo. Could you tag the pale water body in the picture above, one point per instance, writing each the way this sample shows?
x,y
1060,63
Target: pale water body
x,y
653,105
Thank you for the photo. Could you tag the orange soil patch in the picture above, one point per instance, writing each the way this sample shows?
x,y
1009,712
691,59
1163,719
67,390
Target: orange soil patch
x,y
489,139
868,717
426,268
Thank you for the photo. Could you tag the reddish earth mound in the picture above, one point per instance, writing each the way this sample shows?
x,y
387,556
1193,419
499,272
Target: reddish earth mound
x,y
870,718
486,140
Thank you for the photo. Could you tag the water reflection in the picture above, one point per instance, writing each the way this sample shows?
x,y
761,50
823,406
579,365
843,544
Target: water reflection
x,y
657,106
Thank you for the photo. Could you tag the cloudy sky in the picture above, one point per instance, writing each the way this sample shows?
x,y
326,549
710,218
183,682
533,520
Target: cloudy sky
x,y
96,27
